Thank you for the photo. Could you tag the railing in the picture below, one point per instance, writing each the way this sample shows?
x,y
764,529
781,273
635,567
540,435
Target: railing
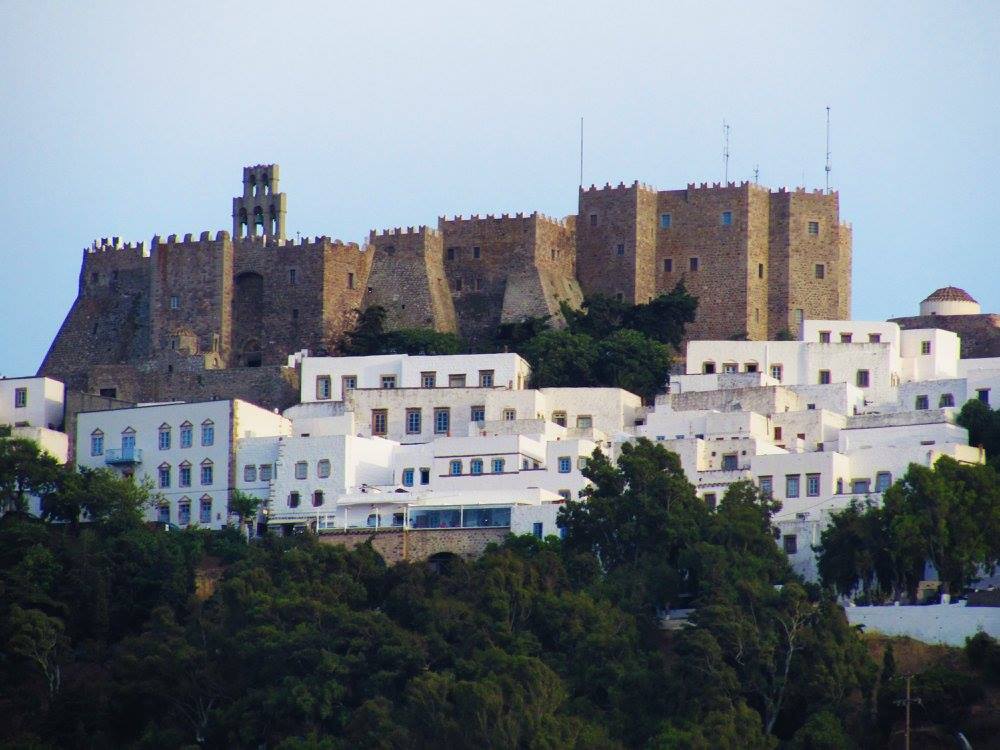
x,y
119,456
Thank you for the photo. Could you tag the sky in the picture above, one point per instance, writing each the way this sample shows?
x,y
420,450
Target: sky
x,y
135,119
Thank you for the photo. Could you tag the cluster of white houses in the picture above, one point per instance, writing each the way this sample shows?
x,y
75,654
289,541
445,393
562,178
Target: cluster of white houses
x,y
413,444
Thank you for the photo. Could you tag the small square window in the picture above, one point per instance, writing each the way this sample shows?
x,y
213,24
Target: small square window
x,y
451,253
301,470
983,394
250,473
727,218
711,500
477,414
946,400
509,415
791,544
824,377
862,379
766,486
20,398
776,372
693,264
668,266
497,465
455,468
266,472
708,368
812,485
323,468
883,481
922,403
665,220
584,422
428,379
565,464
349,383
820,271
486,378
846,338
388,382
824,337
874,338
456,381
814,228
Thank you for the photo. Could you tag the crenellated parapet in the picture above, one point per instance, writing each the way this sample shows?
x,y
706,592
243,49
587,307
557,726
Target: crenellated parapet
x,y
621,187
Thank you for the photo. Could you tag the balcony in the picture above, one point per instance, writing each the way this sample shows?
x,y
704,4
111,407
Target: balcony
x,y
123,456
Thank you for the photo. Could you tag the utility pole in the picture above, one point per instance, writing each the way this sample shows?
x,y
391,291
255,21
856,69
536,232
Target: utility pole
x,y
908,701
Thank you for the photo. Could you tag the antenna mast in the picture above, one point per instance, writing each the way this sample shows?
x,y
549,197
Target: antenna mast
x,y
725,152
827,149
581,152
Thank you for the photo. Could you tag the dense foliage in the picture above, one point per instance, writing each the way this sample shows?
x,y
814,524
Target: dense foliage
x,y
605,343
948,516
109,642
983,424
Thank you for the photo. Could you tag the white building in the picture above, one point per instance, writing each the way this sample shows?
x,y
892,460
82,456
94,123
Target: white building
x,y
33,410
186,451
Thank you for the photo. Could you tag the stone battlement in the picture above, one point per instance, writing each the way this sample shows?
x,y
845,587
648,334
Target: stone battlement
x,y
423,229
621,187
112,244
534,216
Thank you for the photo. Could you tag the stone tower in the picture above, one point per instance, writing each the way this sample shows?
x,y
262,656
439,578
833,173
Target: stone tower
x,y
260,211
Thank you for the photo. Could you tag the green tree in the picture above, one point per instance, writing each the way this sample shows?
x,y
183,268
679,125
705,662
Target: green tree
x,y
561,359
983,424
628,359
244,506
38,638
24,470
856,550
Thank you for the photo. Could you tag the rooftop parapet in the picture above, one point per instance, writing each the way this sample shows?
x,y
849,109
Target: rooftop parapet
x,y
622,187
421,230
534,216
113,244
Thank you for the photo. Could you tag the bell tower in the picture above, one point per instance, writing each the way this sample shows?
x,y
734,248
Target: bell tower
x,y
260,211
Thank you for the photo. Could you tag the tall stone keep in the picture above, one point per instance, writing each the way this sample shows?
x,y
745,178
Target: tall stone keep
x,y
260,211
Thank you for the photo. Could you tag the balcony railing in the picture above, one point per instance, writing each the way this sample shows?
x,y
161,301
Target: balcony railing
x,y
123,456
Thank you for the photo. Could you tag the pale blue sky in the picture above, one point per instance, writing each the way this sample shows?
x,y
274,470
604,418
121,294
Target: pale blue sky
x,y
135,119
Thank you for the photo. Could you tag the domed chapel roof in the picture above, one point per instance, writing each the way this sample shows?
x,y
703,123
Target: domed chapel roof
x,y
950,294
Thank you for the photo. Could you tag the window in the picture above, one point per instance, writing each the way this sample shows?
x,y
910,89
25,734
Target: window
x,y
559,417
407,477
693,264
860,486
301,470
776,372
824,377
791,544
266,472
425,475
163,513
350,280
450,253
207,471
925,347
727,218
184,513
565,464
846,338
250,473
97,443
668,266
293,499
509,415
814,228
175,302
874,338
497,465
164,475
820,271
323,387
293,276
711,500
442,420
475,251
750,367
349,383
20,398
922,403
108,392
388,382
428,379
208,432
766,486
323,468
413,422
620,249
584,422
536,529
380,421
184,475
708,368
862,379
566,495
164,437
593,220
824,337
205,510
812,485
730,368
983,394
792,485
317,498
476,466
883,481
477,414
760,270
581,463
665,221
187,431
455,468
456,381
946,400
777,433
730,462
486,378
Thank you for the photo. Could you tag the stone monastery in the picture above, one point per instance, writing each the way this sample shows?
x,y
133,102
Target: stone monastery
x,y
215,315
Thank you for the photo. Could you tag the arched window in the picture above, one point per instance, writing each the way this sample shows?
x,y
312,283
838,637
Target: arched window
x,y
208,432
205,509
97,443
258,217
184,474
163,474
164,442
184,511
207,472
187,431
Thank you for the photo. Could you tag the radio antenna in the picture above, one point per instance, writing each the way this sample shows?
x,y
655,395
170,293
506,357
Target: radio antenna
x,y
827,149
725,152
581,152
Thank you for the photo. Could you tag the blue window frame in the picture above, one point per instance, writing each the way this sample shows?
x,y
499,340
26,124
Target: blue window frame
x,y
186,436
476,466
442,421
565,464
727,218
407,477
455,468
164,476
164,438
413,422
536,529
208,434
184,475
497,465
97,445
205,512
206,474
